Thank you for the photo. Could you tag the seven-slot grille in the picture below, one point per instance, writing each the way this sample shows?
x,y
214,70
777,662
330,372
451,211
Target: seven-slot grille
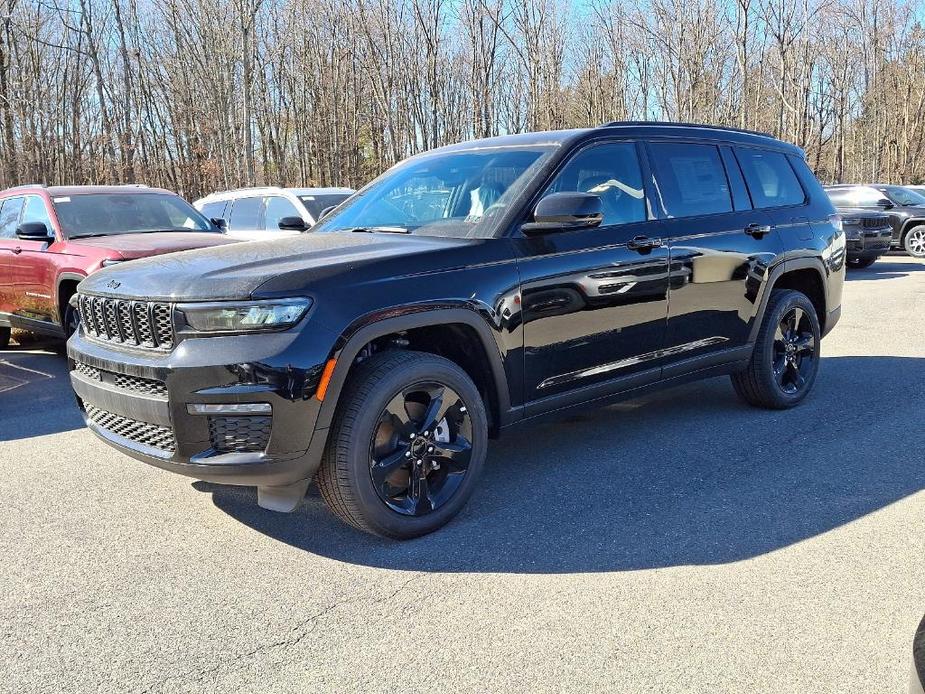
x,y
136,384
874,222
134,323
132,429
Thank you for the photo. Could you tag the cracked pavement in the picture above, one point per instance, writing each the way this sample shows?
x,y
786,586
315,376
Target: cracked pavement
x,y
677,542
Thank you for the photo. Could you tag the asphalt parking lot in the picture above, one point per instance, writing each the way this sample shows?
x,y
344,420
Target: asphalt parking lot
x,y
679,542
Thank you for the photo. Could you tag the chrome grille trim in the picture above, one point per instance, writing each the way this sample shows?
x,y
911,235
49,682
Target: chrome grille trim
x,y
146,324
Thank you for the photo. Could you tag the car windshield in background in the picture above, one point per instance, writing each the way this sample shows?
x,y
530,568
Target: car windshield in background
x,y
904,196
316,204
455,194
104,214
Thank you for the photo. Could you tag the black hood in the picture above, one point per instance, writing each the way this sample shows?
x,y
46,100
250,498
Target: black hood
x,y
861,213
237,271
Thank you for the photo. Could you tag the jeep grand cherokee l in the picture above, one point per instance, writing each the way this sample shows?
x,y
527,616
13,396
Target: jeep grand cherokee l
x,y
51,238
549,270
904,207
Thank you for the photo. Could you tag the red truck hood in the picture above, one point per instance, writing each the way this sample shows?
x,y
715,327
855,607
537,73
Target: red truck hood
x,y
143,245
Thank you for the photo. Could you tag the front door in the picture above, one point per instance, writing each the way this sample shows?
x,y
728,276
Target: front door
x,y
10,247
33,270
594,301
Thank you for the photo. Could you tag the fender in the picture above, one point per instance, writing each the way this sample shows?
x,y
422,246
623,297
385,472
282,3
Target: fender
x,y
355,337
64,277
908,224
808,262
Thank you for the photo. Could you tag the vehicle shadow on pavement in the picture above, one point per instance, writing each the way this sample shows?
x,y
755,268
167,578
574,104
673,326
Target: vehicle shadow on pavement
x,y
686,476
35,394
885,270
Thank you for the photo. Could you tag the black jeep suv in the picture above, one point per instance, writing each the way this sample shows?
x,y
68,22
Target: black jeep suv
x,y
904,207
464,291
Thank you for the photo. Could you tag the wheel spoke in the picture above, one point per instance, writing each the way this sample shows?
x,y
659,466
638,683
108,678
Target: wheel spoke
x,y
805,343
397,409
383,469
419,493
455,456
436,409
797,319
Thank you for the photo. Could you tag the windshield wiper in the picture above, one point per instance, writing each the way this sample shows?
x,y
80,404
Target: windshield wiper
x,y
382,229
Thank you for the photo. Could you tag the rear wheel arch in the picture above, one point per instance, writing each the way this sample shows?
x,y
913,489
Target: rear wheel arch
x,y
67,286
457,334
805,275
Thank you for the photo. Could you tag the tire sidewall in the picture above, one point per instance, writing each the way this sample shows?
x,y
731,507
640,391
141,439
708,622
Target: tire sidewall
x,y
374,509
789,301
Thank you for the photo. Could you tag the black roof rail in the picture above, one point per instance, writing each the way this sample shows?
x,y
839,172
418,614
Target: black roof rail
x,y
665,123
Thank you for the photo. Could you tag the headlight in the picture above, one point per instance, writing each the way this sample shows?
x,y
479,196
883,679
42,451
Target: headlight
x,y
272,314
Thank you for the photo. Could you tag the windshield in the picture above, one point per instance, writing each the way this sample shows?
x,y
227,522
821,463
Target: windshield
x,y
103,214
316,204
904,196
455,194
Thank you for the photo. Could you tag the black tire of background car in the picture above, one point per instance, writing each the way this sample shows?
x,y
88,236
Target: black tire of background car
x,y
5,337
344,478
71,321
757,384
860,263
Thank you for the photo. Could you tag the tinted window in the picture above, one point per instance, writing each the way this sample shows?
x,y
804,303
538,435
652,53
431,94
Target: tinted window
x,y
35,211
277,208
903,196
214,210
691,179
9,217
770,178
102,214
612,172
316,204
245,213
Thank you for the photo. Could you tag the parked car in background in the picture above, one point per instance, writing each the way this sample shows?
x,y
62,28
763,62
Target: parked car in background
x,y
545,271
53,237
868,235
904,207
264,213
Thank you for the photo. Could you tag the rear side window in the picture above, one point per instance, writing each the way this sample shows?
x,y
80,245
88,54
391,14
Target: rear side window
x,y
246,213
691,179
770,178
858,196
214,210
9,217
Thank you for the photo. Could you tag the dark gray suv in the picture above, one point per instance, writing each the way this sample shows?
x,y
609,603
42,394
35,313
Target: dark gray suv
x,y
905,207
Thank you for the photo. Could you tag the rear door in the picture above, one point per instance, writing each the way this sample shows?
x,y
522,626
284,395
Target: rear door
x,y
720,249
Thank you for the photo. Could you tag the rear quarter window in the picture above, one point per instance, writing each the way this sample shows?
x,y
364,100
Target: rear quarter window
x,y
770,179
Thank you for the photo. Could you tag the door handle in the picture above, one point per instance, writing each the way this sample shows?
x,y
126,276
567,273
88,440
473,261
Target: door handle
x,y
758,230
17,250
643,243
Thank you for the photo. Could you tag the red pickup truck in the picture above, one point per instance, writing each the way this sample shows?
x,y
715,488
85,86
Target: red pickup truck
x,y
53,237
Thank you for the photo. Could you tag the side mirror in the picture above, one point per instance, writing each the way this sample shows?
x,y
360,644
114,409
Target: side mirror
x,y
220,223
326,211
34,231
884,203
292,224
565,212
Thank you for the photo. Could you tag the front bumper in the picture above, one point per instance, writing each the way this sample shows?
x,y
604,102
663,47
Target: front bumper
x,y
137,401
871,243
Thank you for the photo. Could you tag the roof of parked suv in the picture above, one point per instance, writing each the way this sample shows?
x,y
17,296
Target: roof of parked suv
x,y
62,191
638,128
263,190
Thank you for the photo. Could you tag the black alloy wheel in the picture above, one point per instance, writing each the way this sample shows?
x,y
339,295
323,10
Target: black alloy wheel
x,y
420,450
794,351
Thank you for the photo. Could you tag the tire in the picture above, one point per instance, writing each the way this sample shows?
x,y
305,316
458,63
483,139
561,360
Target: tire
x,y
779,377
914,241
71,321
369,474
5,337
860,263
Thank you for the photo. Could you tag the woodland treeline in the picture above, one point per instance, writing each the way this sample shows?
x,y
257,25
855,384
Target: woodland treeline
x,y
199,95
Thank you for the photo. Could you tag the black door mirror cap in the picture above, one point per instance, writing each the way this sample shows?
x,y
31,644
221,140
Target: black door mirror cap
x,y
567,211
220,223
884,203
292,223
34,231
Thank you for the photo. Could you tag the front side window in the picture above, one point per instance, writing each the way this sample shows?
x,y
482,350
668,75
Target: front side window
x,y
214,210
246,214
691,179
770,178
459,194
104,214
610,171
903,196
9,217
35,211
277,208
316,204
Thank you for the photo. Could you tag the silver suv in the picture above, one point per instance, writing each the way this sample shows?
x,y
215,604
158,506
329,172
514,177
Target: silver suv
x,y
263,213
